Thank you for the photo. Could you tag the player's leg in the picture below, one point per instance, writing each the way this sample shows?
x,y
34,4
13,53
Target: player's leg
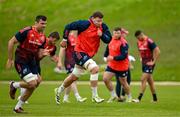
x,y
126,87
107,76
76,93
22,91
91,66
25,72
66,94
152,88
77,71
144,79
118,88
31,81
145,76
128,80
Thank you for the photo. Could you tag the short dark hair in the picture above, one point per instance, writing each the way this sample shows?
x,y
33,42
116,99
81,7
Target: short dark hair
x,y
40,17
97,14
137,33
117,29
54,35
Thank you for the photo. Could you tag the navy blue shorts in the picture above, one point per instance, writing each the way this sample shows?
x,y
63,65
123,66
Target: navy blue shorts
x,y
147,69
118,74
24,69
80,58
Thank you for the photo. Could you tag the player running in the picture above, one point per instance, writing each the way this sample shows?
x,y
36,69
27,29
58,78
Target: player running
x,y
30,39
49,49
149,53
89,34
69,63
118,64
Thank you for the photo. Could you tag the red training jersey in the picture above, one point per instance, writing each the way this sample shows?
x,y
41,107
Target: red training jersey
x,y
114,50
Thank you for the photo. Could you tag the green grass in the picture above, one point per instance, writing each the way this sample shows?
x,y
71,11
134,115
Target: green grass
x,y
42,103
159,19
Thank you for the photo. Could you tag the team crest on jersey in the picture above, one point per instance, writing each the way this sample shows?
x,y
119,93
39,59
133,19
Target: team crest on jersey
x,y
32,35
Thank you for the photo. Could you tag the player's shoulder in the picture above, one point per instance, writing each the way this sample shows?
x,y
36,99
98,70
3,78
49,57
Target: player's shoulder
x,y
25,29
104,26
83,22
150,40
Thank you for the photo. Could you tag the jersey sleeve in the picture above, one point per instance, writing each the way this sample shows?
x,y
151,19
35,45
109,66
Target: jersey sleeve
x,y
106,53
106,36
22,34
124,53
152,44
79,25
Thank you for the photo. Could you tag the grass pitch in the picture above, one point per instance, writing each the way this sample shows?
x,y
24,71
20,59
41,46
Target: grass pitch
x,y
42,103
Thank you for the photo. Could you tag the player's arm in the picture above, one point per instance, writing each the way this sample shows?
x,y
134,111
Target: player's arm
x,y
80,26
42,53
12,42
106,35
124,53
131,59
156,52
61,55
106,53
53,55
19,37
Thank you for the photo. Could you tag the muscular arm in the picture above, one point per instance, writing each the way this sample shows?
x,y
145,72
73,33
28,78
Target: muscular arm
x,y
106,35
11,45
156,53
61,55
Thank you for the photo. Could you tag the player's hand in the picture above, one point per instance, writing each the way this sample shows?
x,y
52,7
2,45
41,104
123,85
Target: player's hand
x,y
59,65
63,43
105,59
99,32
110,58
46,52
150,63
9,63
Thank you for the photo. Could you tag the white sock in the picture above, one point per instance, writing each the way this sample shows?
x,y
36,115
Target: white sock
x,y
19,104
66,97
113,93
16,85
94,91
23,90
77,96
61,88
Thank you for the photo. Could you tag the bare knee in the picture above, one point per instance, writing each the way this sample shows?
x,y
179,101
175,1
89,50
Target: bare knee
x,y
105,79
33,84
95,70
